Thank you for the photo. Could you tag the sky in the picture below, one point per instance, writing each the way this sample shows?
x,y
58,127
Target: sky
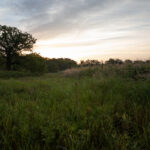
x,y
83,29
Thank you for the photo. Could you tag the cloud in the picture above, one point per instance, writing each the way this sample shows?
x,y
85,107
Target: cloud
x,y
85,20
56,16
52,18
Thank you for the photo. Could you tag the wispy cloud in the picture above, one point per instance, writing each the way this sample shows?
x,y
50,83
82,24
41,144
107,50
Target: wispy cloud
x,y
77,19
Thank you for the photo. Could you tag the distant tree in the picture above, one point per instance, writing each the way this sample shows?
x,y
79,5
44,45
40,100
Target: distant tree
x,y
114,61
13,42
128,61
147,61
119,61
138,62
89,63
55,65
66,63
34,63
52,65
81,62
110,61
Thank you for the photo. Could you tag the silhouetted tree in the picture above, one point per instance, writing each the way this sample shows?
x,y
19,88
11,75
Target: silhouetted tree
x,y
138,62
13,42
33,63
114,61
55,65
90,63
147,61
2,63
128,61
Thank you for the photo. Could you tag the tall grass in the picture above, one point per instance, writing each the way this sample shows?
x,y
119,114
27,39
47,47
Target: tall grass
x,y
17,74
92,109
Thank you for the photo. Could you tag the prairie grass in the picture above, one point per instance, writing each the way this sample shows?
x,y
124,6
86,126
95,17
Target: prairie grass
x,y
97,108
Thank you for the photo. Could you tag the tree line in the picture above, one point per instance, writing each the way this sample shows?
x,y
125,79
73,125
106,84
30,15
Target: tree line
x,y
112,61
16,54
14,48
37,64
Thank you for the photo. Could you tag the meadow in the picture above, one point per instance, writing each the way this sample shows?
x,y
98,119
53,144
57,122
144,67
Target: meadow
x,y
106,107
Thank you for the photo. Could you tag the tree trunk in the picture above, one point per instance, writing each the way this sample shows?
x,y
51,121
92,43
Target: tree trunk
x,y
8,61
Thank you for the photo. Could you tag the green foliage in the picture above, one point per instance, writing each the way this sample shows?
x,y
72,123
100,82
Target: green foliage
x,y
33,63
13,42
104,109
55,65
114,61
89,63
37,64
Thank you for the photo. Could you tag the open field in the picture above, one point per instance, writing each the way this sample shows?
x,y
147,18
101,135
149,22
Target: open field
x,y
95,108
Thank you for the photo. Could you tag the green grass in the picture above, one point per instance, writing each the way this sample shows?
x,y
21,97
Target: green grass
x,y
17,74
92,109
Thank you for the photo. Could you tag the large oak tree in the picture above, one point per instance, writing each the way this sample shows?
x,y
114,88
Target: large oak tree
x,y
13,42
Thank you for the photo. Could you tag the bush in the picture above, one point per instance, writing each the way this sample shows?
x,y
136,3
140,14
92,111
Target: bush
x,y
55,65
33,63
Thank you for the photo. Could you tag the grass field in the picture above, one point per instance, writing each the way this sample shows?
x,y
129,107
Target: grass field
x,y
93,108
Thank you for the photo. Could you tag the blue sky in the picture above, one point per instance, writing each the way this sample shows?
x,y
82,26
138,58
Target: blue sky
x,y
83,29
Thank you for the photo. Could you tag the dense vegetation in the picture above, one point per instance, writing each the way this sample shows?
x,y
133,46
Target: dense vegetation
x,y
93,106
14,48
103,107
34,63
14,42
